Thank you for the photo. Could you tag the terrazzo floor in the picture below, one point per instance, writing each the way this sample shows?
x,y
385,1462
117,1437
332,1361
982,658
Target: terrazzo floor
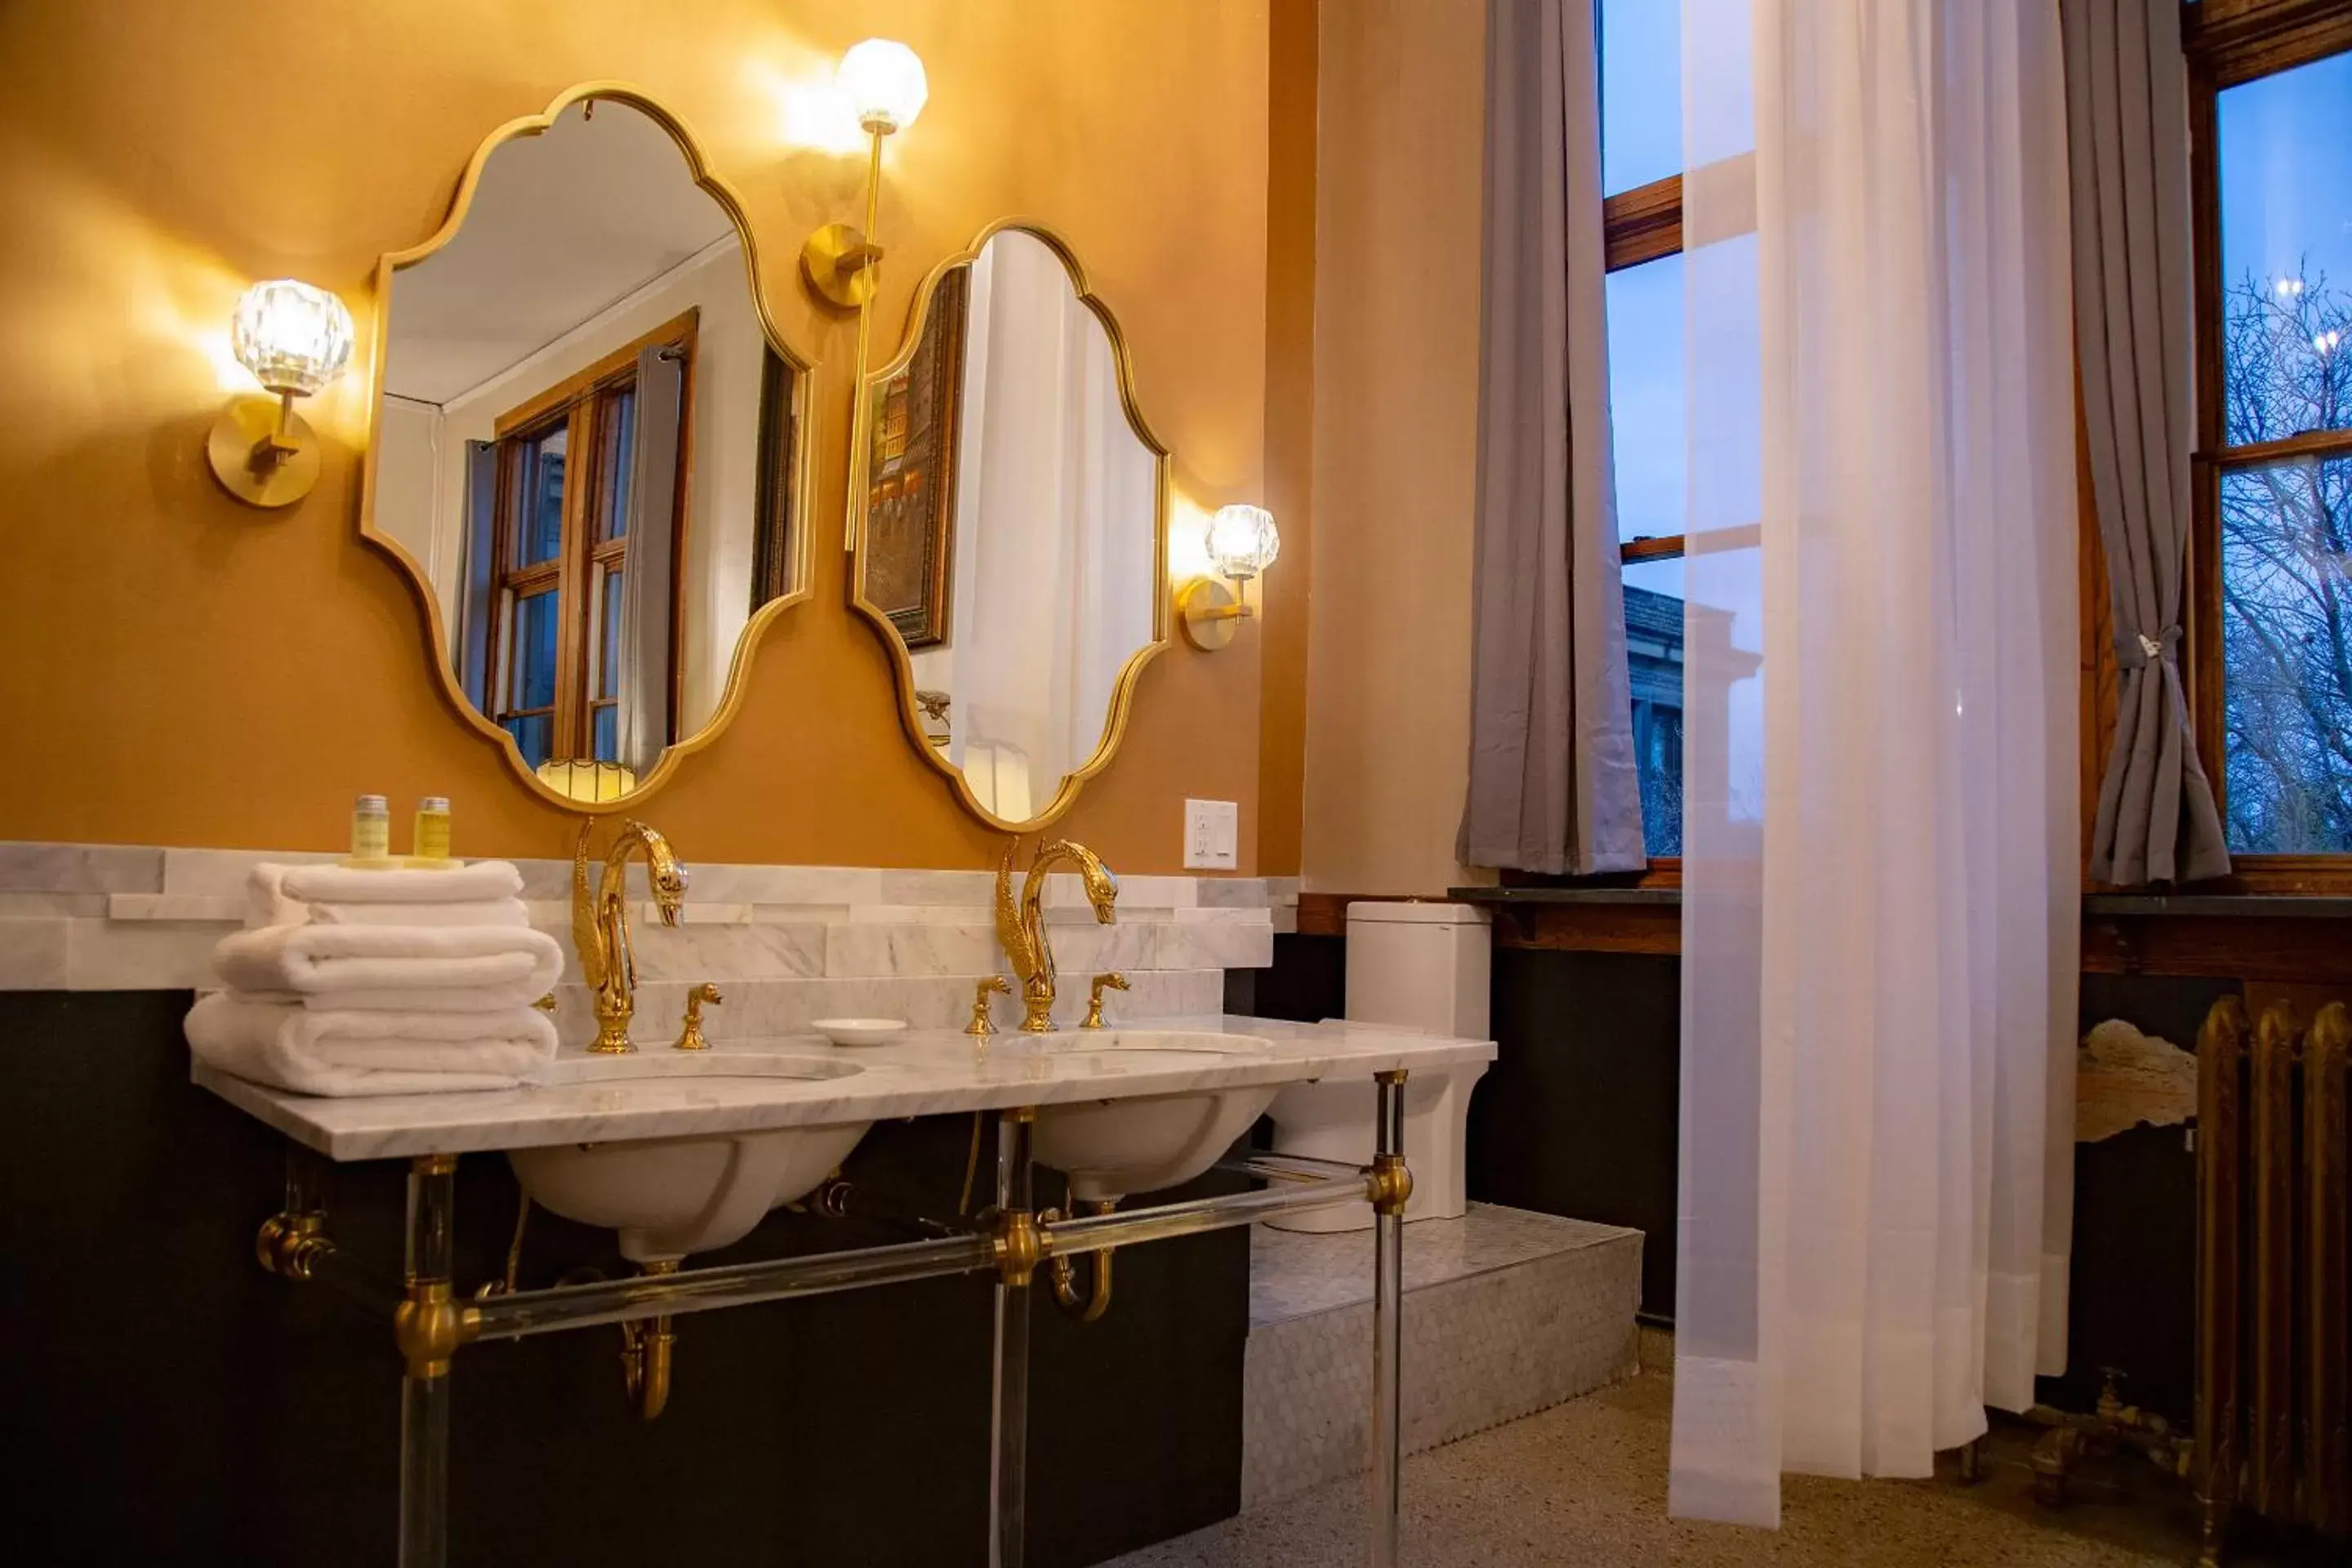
x,y
1585,1483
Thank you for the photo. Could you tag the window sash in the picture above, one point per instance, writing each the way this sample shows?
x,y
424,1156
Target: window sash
x,y
2228,43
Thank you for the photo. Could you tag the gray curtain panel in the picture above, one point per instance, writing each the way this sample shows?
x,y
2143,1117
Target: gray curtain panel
x,y
2127,138
1553,782
643,722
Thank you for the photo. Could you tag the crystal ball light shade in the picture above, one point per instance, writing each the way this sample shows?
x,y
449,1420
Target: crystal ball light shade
x,y
292,337
1243,541
885,84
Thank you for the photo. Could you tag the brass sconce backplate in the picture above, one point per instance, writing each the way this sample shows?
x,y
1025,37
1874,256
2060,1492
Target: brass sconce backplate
x,y
1212,613
255,461
837,262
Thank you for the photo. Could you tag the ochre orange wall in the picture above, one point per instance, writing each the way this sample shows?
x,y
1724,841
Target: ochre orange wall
x,y
178,668
1401,91
1291,73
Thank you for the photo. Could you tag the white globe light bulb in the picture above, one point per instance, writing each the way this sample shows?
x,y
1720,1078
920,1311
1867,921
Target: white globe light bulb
x,y
885,84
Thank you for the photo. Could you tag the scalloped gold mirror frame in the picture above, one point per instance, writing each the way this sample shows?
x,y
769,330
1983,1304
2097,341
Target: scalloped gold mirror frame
x,y
802,368
910,713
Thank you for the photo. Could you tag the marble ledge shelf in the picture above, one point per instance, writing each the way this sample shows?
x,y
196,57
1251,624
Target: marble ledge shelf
x,y
556,913
101,916
51,952
33,867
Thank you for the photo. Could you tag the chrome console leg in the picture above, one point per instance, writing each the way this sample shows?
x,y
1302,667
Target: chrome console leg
x,y
1395,1185
1008,1476
427,1328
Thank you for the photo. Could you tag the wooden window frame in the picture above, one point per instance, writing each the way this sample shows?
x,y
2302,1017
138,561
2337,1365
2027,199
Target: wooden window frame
x,y
582,405
2228,42
1643,224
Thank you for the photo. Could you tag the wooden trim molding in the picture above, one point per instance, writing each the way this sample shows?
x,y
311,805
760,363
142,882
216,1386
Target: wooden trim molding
x,y
1324,914
2239,40
2294,948
1642,224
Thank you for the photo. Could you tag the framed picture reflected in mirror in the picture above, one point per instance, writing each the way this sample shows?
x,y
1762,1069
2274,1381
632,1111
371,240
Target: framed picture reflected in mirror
x,y
911,494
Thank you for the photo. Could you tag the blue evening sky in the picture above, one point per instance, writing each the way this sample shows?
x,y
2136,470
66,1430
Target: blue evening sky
x,y
2286,208
1640,141
2286,174
1641,92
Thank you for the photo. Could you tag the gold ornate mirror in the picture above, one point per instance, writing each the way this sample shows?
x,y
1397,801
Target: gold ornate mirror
x,y
590,444
1012,546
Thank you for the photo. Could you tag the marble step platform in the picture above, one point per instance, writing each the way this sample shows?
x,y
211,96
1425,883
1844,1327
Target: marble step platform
x,y
1507,1312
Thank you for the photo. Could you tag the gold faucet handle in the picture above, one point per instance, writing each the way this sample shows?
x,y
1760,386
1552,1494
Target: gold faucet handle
x,y
1114,981
990,986
704,995
546,1004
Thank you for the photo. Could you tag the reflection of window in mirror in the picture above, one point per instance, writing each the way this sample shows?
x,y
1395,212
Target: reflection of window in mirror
x,y
585,472
589,443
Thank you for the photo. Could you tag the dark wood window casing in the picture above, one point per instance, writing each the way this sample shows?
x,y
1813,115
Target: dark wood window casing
x,y
2228,42
588,562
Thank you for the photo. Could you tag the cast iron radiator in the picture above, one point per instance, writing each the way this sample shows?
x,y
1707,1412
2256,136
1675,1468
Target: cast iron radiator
x,y
2273,1310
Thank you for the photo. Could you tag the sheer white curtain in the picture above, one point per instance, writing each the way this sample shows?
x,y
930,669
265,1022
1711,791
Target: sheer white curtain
x,y
1055,498
1880,856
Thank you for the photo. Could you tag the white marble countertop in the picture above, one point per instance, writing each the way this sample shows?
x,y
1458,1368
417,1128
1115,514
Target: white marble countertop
x,y
660,1093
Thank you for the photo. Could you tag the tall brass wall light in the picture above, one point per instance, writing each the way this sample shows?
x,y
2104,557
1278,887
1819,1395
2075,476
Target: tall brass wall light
x,y
295,340
885,85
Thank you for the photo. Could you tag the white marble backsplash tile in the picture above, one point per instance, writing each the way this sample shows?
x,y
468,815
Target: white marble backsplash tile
x,y
763,1009
33,953
858,949
33,867
121,916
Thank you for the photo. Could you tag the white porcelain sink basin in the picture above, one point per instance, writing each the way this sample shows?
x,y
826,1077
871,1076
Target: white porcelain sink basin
x,y
670,1196
1110,1148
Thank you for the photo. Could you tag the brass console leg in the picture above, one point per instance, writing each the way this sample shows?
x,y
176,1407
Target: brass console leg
x,y
429,1326
1394,1186
1008,1478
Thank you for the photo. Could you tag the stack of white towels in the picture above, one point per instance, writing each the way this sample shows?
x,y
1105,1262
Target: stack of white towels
x,y
348,981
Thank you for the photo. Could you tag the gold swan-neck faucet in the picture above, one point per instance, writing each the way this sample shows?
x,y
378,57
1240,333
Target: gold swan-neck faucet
x,y
1020,924
600,923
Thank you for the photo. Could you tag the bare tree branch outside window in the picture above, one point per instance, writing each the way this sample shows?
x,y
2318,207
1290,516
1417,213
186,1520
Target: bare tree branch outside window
x,y
2286,569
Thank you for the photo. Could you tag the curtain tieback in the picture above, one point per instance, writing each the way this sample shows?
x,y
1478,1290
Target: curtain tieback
x,y
2137,650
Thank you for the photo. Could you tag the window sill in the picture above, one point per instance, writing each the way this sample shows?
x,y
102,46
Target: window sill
x,y
2227,906
2241,936
1523,897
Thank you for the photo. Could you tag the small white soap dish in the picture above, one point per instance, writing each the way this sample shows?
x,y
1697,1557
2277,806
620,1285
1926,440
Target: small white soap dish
x,y
859,1031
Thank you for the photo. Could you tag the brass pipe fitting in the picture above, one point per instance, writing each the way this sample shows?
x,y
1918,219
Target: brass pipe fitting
x,y
1090,1307
829,1199
289,1244
428,1326
1020,1247
645,1349
1388,1183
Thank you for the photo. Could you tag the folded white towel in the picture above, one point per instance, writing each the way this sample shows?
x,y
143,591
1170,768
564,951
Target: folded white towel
x,y
506,966
483,893
424,999
493,912
336,1052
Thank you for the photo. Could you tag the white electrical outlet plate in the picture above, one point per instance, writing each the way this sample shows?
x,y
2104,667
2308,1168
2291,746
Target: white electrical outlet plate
x,y
1211,834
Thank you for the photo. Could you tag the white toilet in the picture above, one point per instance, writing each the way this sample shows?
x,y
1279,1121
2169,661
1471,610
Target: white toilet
x,y
1424,967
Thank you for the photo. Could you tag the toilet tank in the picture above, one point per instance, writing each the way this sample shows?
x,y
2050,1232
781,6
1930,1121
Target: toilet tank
x,y
1421,966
